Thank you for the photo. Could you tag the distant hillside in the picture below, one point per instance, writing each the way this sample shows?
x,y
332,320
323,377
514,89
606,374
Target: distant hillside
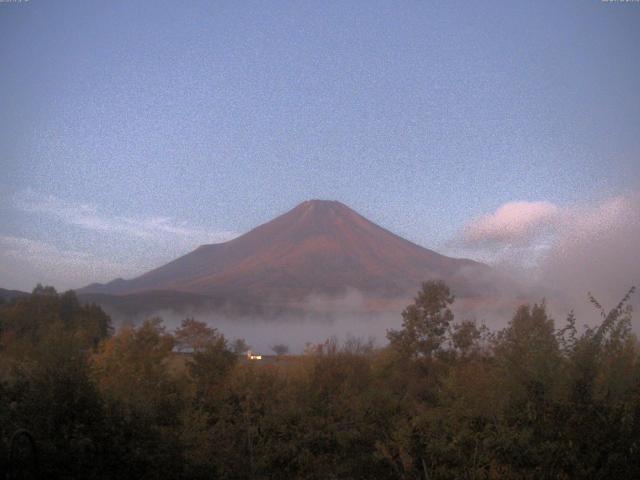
x,y
7,295
156,301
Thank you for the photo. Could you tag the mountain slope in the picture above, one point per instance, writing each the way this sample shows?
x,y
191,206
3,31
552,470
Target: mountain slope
x,y
7,295
319,247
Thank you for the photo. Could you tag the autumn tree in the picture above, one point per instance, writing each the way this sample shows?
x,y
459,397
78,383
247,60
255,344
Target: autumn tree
x,y
194,335
425,322
603,387
530,378
444,400
46,381
210,364
26,319
143,401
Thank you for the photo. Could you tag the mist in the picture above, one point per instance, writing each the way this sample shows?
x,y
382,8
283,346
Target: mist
x,y
597,251
317,318
322,317
561,254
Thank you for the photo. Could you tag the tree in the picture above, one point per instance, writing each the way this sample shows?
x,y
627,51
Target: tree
x,y
47,339
528,348
240,346
466,337
57,400
280,349
194,335
143,401
425,323
603,383
132,365
25,320
210,365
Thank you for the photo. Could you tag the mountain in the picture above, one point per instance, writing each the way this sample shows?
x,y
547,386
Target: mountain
x,y
318,248
7,295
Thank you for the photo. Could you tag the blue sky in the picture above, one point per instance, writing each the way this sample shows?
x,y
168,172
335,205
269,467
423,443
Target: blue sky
x,y
131,132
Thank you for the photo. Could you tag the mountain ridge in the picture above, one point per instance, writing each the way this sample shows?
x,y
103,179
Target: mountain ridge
x,y
318,247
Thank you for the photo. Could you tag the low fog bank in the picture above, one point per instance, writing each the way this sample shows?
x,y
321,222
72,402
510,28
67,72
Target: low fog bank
x,y
316,319
352,315
296,333
325,320
349,316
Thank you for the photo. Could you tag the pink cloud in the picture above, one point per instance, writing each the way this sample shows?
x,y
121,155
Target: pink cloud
x,y
512,223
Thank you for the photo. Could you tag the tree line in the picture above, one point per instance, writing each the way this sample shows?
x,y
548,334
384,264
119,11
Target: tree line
x,y
445,399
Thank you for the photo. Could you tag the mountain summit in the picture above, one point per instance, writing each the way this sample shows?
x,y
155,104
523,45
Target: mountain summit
x,y
319,247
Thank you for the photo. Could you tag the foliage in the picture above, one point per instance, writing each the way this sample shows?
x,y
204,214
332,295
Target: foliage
x,y
45,385
425,322
446,399
194,336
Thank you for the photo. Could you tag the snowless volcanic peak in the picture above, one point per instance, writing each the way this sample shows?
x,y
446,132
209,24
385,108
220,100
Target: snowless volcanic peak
x,y
319,247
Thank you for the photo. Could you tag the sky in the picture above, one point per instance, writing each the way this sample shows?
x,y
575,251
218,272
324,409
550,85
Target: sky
x,y
132,132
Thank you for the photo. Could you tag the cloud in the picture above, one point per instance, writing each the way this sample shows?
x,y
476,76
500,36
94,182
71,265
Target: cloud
x,y
89,217
514,223
106,247
25,262
563,251
597,249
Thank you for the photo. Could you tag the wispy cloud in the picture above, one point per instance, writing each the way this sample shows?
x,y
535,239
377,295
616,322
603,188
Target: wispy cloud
x,y
89,217
111,246
25,262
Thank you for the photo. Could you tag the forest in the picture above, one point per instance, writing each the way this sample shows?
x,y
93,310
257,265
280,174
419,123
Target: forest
x,y
444,399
